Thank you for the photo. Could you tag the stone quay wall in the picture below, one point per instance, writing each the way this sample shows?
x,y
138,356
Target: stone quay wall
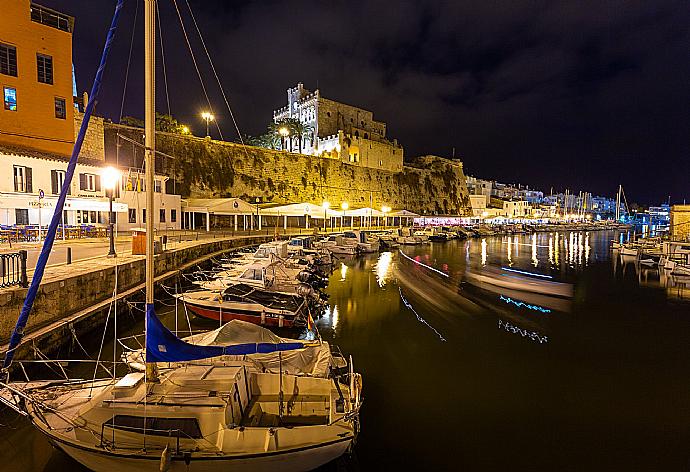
x,y
203,168
58,299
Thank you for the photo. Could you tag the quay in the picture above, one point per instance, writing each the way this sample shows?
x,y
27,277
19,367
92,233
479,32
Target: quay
x,y
74,299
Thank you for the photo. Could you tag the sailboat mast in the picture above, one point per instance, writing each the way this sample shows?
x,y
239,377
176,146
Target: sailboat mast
x,y
618,204
150,148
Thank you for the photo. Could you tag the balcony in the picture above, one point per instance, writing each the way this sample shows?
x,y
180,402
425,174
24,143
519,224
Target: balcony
x,y
52,18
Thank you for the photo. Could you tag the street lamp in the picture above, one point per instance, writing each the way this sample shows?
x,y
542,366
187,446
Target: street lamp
x,y
385,209
111,177
326,205
344,206
185,129
258,218
284,133
208,117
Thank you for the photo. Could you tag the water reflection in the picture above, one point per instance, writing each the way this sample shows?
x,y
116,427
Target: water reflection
x,y
483,251
383,267
343,271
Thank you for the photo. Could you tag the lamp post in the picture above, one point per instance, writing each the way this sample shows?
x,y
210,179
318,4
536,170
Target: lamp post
x,y
111,177
208,117
326,205
385,209
258,218
344,206
284,133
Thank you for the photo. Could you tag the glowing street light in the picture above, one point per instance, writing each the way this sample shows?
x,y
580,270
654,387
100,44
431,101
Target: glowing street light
x,y
111,177
284,133
208,117
385,209
344,206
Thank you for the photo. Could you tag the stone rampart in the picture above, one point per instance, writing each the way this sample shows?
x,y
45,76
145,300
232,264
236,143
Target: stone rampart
x,y
204,168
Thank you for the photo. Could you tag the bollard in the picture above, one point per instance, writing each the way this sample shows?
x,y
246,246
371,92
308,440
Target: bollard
x,y
24,281
263,317
69,255
280,321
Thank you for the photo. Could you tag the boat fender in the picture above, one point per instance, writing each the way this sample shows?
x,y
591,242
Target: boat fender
x,y
165,460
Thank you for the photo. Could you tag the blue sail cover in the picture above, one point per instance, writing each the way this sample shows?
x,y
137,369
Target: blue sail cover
x,y
163,346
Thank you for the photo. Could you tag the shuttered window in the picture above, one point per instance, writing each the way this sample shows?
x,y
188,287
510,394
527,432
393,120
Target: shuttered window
x,y
8,60
44,67
57,180
60,108
23,179
90,182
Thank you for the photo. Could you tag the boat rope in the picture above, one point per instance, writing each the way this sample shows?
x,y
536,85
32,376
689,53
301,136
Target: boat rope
x,y
100,348
196,66
18,332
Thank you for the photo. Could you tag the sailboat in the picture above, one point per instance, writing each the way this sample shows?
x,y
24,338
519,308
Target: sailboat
x,y
219,416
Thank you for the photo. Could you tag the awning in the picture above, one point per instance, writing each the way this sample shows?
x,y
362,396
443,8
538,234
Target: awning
x,y
218,206
365,212
404,213
298,209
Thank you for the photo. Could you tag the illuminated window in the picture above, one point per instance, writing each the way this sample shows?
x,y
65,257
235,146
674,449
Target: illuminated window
x,y
10,98
44,65
8,60
60,108
157,186
132,215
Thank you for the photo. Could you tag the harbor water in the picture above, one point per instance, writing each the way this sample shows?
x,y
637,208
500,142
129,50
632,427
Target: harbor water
x,y
465,369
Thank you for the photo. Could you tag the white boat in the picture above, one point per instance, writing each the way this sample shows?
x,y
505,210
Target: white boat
x,y
361,240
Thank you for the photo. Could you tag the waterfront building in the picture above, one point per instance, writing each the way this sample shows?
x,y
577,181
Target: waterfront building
x,y
476,186
339,131
680,222
39,121
36,77
516,208
30,185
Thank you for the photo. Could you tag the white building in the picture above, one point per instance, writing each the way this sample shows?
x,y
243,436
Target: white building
x,y
30,185
516,208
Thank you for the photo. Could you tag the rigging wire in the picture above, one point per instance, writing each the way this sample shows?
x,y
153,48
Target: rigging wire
x,y
213,68
196,66
129,60
165,75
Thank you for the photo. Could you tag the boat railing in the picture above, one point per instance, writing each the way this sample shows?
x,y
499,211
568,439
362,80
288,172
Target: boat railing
x,y
111,443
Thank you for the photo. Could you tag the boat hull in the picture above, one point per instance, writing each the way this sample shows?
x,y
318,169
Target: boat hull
x,y
307,458
227,315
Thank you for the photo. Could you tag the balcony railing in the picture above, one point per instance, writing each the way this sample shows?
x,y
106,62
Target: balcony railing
x,y
52,18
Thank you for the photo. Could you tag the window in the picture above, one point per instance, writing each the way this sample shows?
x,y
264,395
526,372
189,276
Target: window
x,y
22,179
90,182
187,427
60,108
44,66
8,60
157,186
57,180
162,215
173,216
21,216
143,215
10,98
132,215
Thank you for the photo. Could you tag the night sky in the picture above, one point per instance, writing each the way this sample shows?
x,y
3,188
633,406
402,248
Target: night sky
x,y
565,94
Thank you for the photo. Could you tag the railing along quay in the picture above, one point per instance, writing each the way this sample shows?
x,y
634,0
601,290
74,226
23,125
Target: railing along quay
x,y
13,269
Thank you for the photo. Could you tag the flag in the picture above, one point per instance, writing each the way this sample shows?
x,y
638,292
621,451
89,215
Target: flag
x,y
310,322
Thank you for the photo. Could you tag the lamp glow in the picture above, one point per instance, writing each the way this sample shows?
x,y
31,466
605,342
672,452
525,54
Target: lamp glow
x,y
110,176
344,205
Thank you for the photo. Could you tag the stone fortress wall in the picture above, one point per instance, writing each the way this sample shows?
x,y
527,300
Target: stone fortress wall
x,y
205,168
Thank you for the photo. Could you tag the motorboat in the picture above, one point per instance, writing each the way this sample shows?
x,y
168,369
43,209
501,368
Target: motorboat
x,y
359,238
245,302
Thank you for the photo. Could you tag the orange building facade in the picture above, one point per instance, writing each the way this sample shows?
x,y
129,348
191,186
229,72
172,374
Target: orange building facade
x,y
36,103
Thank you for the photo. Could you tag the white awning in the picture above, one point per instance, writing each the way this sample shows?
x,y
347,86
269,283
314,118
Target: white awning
x,y
404,213
218,206
299,209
